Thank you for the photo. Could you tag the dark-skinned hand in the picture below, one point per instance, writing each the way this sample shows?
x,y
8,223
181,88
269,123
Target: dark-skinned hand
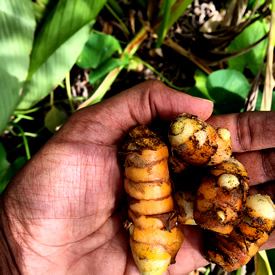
x,y
60,214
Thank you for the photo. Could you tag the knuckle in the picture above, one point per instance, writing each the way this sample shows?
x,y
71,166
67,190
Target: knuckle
x,y
268,163
244,131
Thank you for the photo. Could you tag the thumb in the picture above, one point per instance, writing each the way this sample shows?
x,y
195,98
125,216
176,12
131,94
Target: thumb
x,y
108,121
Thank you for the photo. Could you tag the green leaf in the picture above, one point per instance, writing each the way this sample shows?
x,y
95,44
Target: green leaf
x,y
105,68
229,89
60,41
254,58
177,11
41,9
44,2
4,164
271,257
9,92
54,70
97,50
54,118
252,4
16,37
200,89
116,7
8,170
67,18
167,4
262,264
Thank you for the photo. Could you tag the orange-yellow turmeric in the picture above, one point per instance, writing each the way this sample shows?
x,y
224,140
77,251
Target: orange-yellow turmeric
x,y
154,236
234,251
236,225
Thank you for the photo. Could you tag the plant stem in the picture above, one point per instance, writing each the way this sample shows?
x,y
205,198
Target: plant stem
x,y
51,98
28,134
118,19
269,80
158,74
69,91
21,116
208,270
25,141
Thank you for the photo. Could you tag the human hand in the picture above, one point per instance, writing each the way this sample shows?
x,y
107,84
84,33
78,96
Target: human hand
x,y
60,213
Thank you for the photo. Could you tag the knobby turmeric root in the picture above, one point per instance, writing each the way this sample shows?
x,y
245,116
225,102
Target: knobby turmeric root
x,y
236,225
221,197
154,236
233,251
196,143
236,249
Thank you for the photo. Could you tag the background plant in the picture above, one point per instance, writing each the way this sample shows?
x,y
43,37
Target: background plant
x,y
59,56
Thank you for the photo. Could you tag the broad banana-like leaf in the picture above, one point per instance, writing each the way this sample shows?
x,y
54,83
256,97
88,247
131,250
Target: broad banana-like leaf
x,y
16,38
57,46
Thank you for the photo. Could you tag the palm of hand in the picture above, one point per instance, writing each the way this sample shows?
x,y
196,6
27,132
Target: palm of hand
x,y
75,227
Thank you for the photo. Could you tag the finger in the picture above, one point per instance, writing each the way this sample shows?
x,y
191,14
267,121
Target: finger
x,y
260,165
250,131
264,189
110,119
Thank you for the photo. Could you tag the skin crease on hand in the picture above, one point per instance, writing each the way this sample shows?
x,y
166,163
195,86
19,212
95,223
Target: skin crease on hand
x,y
60,214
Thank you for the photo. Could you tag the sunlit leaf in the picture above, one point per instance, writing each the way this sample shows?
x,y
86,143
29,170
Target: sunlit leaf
x,y
229,89
54,70
59,42
262,264
271,257
254,58
16,37
167,4
99,48
67,18
177,10
252,4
